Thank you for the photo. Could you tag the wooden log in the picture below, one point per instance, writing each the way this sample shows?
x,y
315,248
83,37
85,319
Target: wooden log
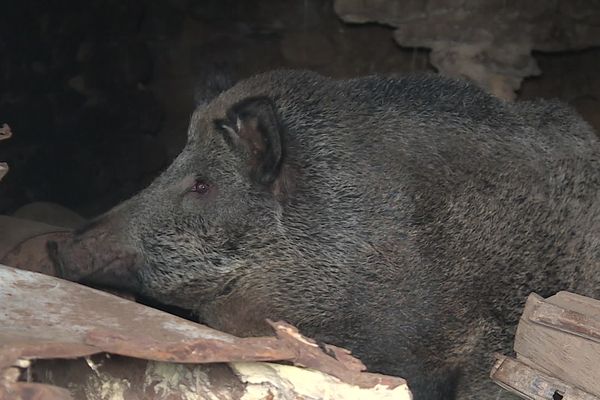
x,y
530,383
561,336
152,354
101,377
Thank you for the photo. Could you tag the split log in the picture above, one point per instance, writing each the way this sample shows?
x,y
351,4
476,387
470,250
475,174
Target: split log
x,y
557,347
530,383
126,350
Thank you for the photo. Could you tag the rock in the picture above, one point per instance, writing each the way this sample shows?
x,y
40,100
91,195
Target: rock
x,y
479,40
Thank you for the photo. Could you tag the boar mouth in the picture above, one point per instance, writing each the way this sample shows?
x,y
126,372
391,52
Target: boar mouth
x,y
112,269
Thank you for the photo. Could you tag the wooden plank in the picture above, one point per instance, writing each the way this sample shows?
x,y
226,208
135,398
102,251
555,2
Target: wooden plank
x,y
43,317
529,383
570,313
578,303
562,336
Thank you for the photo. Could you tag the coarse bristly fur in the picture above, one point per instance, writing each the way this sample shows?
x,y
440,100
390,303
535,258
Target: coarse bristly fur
x,y
405,219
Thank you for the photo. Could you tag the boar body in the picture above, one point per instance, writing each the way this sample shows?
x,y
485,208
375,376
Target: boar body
x,y
405,219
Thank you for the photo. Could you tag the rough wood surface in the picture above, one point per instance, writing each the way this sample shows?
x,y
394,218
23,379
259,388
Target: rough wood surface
x,y
529,383
33,391
3,169
5,133
110,378
570,313
42,317
561,335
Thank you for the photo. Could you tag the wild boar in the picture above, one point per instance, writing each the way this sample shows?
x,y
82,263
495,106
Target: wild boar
x,y
405,219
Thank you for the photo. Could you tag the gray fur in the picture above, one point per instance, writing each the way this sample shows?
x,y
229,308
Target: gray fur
x,y
408,219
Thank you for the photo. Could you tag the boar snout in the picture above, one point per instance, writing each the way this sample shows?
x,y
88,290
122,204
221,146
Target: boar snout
x,y
98,255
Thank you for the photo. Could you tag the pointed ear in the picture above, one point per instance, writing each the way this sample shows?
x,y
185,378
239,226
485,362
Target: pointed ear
x,y
253,127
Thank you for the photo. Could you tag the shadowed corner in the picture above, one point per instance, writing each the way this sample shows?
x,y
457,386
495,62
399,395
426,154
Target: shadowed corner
x,y
52,249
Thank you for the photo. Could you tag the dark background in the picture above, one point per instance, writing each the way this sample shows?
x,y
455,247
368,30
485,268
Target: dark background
x,y
98,93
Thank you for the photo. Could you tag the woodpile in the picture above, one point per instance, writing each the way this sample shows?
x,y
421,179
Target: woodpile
x,y
557,348
62,340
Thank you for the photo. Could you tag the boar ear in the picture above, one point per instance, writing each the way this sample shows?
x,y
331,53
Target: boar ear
x,y
253,126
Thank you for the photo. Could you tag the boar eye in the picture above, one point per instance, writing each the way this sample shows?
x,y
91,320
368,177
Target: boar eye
x,y
200,187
